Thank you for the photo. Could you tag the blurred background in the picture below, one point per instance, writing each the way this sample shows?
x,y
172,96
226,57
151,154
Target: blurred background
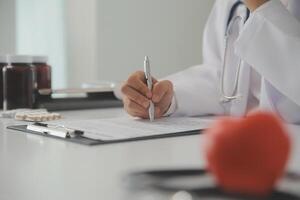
x,y
106,40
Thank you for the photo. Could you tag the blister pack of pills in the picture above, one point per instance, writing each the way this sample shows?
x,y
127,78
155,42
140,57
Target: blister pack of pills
x,y
32,115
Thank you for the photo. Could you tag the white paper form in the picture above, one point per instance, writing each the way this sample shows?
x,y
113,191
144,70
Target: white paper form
x,y
128,128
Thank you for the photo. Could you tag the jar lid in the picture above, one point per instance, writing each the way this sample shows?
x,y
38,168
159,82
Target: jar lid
x,y
19,59
39,59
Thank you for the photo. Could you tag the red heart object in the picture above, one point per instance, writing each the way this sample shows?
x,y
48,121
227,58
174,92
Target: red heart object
x,y
247,155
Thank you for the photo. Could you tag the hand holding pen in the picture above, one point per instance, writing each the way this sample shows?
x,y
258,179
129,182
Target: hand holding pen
x,y
137,96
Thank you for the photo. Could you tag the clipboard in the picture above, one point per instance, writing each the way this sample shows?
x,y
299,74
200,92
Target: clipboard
x,y
80,139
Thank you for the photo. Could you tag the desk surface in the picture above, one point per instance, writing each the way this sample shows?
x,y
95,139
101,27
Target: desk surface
x,y
38,168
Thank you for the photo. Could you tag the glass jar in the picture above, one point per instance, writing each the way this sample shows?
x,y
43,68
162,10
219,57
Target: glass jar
x,y
19,83
3,63
43,72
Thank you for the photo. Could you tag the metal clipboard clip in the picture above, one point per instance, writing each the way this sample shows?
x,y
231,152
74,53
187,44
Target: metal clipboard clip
x,y
54,130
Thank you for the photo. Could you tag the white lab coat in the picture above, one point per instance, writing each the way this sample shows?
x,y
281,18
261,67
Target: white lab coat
x,y
269,46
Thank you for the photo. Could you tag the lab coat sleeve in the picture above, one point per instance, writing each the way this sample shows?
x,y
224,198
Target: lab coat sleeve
x,y
197,88
270,43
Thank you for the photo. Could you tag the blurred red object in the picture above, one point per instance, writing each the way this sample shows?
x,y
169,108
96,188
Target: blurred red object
x,y
248,155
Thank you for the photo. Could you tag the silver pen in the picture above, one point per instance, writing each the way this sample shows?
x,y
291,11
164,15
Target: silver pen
x,y
148,77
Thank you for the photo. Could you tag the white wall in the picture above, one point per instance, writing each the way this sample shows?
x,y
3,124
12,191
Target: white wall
x,y
7,23
169,31
105,39
81,31
40,30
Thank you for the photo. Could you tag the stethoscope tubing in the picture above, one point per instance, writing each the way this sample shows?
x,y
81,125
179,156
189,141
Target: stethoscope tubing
x,y
232,95
230,25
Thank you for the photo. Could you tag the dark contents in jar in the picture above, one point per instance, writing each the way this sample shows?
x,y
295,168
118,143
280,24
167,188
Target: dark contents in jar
x,y
19,86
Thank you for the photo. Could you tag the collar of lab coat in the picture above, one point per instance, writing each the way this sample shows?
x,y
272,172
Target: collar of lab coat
x,y
294,8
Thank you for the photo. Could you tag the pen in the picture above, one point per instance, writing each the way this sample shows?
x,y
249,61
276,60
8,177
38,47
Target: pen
x,y
150,85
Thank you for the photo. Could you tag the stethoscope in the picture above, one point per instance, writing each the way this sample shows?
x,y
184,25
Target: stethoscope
x,y
234,21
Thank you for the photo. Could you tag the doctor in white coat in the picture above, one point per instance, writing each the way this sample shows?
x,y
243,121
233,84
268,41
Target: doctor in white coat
x,y
268,75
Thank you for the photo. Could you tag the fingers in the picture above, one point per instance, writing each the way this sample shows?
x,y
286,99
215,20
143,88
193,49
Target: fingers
x,y
135,96
161,89
165,103
154,81
137,90
137,81
136,110
162,96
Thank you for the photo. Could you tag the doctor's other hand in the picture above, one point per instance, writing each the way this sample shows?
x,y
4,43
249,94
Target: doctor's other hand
x,y
137,96
254,4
